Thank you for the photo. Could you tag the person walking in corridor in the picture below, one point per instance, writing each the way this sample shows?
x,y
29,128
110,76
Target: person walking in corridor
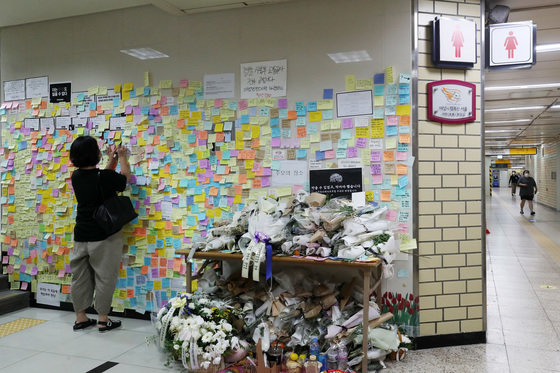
x,y
513,180
527,190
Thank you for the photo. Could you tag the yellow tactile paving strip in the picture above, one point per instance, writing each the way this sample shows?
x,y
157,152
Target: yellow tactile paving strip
x,y
18,325
539,236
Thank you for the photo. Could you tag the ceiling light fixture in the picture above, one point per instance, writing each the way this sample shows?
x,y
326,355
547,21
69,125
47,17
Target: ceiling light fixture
x,y
353,56
524,86
144,53
516,108
494,131
554,47
508,121
555,107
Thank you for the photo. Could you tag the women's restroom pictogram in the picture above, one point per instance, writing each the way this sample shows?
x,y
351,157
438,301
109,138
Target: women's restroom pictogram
x,y
511,44
458,40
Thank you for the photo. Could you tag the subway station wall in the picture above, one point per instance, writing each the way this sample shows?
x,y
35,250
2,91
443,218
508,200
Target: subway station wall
x,y
37,201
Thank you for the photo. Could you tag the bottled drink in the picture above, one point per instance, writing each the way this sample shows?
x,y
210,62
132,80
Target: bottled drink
x,y
314,347
332,356
342,357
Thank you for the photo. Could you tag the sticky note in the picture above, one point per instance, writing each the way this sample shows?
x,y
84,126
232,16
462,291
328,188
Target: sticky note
x,y
350,82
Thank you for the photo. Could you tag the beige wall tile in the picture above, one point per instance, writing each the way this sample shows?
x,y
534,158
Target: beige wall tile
x,y
450,181
474,233
426,221
454,207
454,260
474,312
474,286
426,248
448,327
427,302
425,181
423,100
425,19
469,141
470,194
427,127
453,287
470,220
474,206
447,247
429,208
450,234
447,274
425,168
452,129
445,7
429,154
429,261
447,194
469,10
456,313
468,326
469,168
425,194
474,180
467,273
453,154
470,246
426,275
447,221
426,6
446,141
446,168
472,76
427,328
431,315
446,301
429,73
425,141
430,288
473,154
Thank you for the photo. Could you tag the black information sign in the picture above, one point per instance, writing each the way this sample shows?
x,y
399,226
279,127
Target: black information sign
x,y
60,92
336,182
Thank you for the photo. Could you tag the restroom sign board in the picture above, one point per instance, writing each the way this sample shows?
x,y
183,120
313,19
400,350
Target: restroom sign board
x,y
454,42
451,101
511,44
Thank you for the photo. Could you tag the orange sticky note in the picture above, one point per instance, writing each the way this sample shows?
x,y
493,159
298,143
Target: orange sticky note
x,y
388,155
256,183
386,196
404,138
405,120
144,270
402,169
301,132
242,179
292,115
65,289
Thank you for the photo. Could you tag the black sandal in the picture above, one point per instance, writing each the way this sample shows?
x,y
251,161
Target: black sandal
x,y
108,325
84,324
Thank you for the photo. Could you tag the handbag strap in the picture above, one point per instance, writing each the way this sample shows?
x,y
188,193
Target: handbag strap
x,y
99,190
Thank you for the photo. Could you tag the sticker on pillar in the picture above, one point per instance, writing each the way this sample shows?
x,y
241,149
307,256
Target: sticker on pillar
x,y
512,44
451,101
454,42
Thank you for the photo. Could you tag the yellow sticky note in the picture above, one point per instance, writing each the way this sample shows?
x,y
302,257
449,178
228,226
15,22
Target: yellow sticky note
x,y
362,132
389,75
165,84
350,82
117,88
378,100
315,116
127,87
147,80
403,109
362,84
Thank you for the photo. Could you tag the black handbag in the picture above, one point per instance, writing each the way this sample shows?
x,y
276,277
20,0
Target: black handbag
x,y
113,213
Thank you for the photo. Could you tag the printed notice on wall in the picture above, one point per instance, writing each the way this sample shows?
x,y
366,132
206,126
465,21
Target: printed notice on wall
x,y
219,86
37,87
48,294
264,79
336,182
14,90
289,173
349,104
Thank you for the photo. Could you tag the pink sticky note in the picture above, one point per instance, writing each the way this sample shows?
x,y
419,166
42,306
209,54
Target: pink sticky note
x,y
275,142
329,154
352,152
24,285
391,215
377,179
184,83
401,156
403,228
218,102
242,105
265,181
391,120
5,259
361,142
34,271
376,169
61,272
376,156
347,123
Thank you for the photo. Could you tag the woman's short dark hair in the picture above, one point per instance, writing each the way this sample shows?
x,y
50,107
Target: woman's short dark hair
x,y
84,152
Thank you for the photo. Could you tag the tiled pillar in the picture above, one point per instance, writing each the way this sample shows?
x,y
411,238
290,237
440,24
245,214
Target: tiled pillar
x,y
451,262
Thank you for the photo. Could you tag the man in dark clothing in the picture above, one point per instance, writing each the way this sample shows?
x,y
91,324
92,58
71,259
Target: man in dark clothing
x,y
513,180
527,190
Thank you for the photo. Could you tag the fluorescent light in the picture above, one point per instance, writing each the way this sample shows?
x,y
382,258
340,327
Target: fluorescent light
x,y
144,53
554,47
555,107
524,86
353,56
494,131
509,121
516,108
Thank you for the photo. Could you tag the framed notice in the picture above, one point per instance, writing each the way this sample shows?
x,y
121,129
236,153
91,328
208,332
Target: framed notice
x,y
37,87
14,90
451,101
355,103
336,182
512,45
60,92
454,42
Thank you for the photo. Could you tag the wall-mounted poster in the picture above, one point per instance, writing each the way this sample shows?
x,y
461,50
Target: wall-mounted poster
x,y
37,87
451,101
351,104
264,79
219,85
511,44
14,90
454,42
336,182
60,92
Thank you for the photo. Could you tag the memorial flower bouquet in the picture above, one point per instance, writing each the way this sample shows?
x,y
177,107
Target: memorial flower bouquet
x,y
195,330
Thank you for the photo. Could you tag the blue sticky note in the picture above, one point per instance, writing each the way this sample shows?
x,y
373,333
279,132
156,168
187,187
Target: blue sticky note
x,y
319,155
390,130
402,273
301,153
379,78
327,114
403,181
404,99
312,106
81,96
274,122
327,94
379,90
301,122
92,105
391,89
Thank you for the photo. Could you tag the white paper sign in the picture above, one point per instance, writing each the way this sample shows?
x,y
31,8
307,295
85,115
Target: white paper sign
x,y
511,43
350,163
290,173
31,123
457,40
219,86
14,90
63,122
355,103
48,294
37,87
264,79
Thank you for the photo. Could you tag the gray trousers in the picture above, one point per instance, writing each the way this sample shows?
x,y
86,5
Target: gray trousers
x,y
95,266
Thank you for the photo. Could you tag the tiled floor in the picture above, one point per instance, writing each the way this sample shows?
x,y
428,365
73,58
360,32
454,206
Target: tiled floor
x,y
523,315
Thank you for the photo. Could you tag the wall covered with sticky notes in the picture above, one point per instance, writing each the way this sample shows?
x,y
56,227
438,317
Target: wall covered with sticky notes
x,y
194,160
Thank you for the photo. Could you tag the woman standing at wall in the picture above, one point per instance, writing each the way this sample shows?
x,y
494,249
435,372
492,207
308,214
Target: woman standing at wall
x,y
96,260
